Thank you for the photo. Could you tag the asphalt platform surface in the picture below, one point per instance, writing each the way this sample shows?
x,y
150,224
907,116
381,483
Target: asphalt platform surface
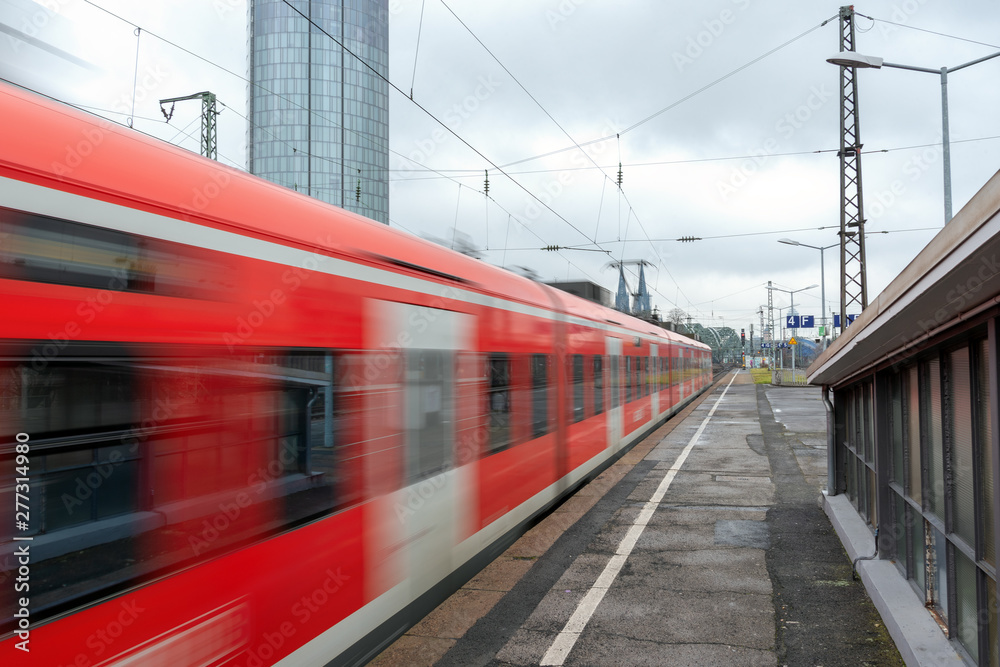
x,y
706,544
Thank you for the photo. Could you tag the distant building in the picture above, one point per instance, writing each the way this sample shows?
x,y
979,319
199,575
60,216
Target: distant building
x,y
319,118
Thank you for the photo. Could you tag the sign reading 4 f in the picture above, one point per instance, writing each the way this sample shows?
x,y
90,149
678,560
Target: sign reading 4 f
x,y
800,321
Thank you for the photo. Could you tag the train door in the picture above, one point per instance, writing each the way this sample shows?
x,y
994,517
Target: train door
x,y
613,349
431,512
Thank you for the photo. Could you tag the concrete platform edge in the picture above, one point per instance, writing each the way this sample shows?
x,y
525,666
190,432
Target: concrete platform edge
x,y
920,640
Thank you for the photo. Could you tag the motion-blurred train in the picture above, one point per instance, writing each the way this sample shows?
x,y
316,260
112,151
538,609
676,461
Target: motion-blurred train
x,y
239,426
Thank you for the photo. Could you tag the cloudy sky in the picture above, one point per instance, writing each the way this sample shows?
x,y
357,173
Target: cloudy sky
x,y
717,139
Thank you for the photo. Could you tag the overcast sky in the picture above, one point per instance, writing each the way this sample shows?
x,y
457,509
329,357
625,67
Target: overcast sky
x,y
599,68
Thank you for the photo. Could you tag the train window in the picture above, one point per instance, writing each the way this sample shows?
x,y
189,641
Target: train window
x,y
539,395
50,250
598,384
616,388
428,412
645,376
577,379
636,372
145,460
628,379
637,377
498,402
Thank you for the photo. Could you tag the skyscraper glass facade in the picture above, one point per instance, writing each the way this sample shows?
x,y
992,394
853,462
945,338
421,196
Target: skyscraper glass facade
x,y
319,118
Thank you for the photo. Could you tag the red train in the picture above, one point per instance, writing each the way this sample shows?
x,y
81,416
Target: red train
x,y
243,427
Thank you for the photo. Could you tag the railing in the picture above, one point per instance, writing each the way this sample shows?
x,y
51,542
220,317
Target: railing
x,y
787,377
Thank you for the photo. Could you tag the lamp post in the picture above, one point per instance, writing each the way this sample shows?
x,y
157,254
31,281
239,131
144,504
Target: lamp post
x,y
856,60
791,293
779,358
822,276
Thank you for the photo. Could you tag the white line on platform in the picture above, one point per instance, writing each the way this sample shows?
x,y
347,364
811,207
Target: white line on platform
x,y
568,636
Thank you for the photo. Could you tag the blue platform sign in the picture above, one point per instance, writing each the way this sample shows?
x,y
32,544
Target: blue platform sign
x,y
800,321
836,319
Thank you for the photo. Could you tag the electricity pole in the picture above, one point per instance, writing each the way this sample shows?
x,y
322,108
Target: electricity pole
x,y
209,133
853,285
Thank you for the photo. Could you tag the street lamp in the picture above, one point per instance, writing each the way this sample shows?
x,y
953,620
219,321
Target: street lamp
x,y
822,275
791,293
856,60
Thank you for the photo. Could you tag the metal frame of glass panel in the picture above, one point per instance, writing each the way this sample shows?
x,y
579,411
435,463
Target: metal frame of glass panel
x,y
933,417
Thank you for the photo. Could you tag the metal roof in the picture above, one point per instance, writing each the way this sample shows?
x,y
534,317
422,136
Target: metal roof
x,y
956,276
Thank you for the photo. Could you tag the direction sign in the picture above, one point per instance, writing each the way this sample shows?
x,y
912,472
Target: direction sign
x,y
800,321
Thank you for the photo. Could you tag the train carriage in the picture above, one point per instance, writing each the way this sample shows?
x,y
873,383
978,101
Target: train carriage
x,y
251,428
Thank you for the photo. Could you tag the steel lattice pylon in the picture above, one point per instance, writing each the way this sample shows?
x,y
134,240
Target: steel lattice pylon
x,y
853,284
209,129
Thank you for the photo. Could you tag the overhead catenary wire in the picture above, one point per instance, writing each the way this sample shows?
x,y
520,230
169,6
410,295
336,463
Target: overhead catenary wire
x,y
677,102
135,75
416,51
564,131
470,146
256,85
932,32
619,179
577,145
511,217
868,232
527,92
595,236
470,172
444,125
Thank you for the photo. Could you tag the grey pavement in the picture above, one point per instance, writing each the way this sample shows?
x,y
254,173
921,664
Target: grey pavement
x,y
737,564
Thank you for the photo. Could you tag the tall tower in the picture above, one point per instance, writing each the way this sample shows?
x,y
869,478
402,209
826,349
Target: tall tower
x,y
319,118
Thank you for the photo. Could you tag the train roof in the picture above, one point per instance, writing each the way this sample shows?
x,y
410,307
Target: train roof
x,y
45,140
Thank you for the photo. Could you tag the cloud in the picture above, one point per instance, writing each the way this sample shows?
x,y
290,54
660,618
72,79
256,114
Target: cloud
x,y
599,68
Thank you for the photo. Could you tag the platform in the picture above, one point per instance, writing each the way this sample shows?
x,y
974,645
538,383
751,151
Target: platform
x,y
707,544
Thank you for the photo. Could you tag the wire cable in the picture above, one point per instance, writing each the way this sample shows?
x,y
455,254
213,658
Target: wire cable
x,y
676,103
416,51
231,72
438,121
135,76
467,173
932,32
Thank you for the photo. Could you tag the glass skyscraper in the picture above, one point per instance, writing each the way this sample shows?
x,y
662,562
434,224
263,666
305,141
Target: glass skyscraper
x,y
319,118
